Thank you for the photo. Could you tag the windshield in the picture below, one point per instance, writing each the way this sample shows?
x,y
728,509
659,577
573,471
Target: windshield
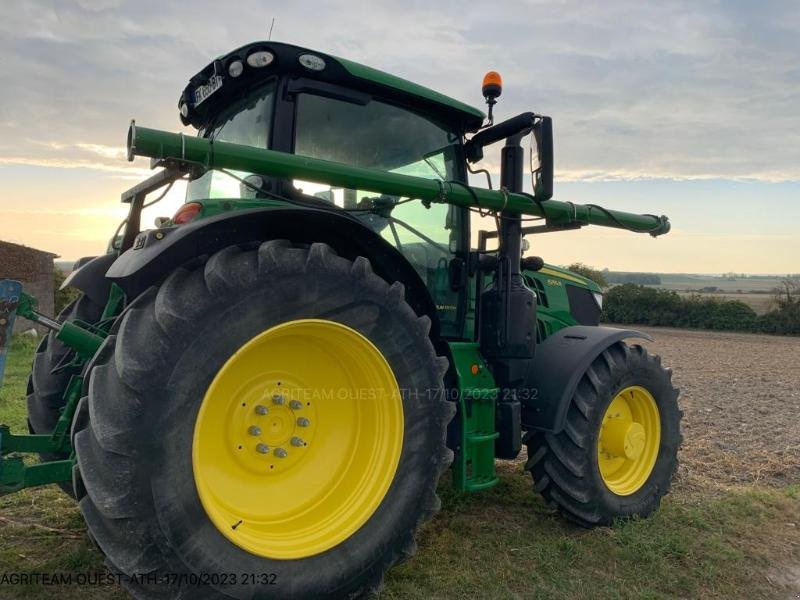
x,y
378,135
375,135
247,122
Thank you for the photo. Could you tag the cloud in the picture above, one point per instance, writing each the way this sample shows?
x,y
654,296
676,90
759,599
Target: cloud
x,y
645,89
54,154
639,92
108,152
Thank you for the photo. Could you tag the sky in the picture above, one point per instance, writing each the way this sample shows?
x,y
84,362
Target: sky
x,y
688,109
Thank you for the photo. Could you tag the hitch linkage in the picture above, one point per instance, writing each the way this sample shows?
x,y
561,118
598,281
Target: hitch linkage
x,y
85,339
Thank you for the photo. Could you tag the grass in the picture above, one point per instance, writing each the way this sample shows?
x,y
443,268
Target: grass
x,y
501,543
505,543
41,530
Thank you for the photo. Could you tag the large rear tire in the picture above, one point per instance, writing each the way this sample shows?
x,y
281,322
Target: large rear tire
x,y
177,440
618,450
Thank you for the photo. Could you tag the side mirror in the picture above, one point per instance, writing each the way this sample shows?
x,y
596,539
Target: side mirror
x,y
543,172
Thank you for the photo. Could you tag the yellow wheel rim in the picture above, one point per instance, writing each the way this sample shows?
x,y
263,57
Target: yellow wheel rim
x,y
630,435
298,439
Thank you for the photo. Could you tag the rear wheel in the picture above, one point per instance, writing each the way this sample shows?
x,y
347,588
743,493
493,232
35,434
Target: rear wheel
x,y
617,453
270,423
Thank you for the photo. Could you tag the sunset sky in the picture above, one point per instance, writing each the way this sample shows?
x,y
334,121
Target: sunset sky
x,y
689,109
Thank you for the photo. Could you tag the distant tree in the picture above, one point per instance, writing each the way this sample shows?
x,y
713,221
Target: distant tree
x,y
788,295
631,303
62,297
589,272
784,318
636,278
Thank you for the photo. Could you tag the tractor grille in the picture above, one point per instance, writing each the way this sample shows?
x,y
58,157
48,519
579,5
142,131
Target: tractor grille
x,y
583,306
541,296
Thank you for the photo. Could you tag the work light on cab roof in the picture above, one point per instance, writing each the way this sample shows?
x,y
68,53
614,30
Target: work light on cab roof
x,y
492,88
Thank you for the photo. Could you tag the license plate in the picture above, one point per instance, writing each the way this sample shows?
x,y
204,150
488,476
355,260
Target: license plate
x,y
9,299
202,92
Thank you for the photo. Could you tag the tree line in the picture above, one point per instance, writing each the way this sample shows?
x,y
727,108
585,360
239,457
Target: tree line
x,y
632,303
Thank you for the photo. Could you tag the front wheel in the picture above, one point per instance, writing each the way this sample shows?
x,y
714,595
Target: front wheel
x,y
270,423
618,450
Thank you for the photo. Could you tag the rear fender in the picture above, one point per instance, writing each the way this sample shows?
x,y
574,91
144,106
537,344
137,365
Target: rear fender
x,y
156,253
89,277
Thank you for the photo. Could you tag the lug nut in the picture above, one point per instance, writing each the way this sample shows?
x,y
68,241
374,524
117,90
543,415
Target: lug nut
x,y
303,422
296,441
295,405
262,448
281,453
277,399
261,410
253,430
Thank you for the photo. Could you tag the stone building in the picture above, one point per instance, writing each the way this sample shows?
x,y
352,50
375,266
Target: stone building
x,y
34,268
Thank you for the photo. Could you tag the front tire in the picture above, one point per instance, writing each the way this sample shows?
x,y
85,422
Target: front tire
x,y
165,453
617,453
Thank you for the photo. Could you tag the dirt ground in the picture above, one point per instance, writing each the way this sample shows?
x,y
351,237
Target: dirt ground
x,y
740,394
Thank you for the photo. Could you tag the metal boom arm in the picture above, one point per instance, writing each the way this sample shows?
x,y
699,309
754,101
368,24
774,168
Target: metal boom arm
x,y
163,145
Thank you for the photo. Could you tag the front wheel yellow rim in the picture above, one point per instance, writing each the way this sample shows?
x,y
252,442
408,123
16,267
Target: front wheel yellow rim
x,y
629,440
298,439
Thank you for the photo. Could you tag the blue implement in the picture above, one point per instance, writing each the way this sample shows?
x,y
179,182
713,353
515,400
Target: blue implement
x,y
10,291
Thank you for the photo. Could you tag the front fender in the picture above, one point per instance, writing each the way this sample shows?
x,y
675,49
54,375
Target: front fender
x,y
156,253
560,362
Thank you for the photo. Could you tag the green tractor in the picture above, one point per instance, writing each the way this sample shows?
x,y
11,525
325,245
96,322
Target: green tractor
x,y
257,397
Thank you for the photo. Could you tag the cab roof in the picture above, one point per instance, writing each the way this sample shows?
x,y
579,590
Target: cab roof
x,y
214,88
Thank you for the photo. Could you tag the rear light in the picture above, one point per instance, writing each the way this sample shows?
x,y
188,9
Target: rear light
x,y
187,212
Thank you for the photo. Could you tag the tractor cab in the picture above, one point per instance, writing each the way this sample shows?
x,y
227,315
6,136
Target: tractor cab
x,y
286,98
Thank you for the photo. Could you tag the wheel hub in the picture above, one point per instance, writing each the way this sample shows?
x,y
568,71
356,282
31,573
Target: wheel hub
x,y
271,432
628,441
624,439
298,439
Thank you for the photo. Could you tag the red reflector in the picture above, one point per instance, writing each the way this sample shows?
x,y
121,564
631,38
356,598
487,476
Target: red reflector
x,y
187,212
